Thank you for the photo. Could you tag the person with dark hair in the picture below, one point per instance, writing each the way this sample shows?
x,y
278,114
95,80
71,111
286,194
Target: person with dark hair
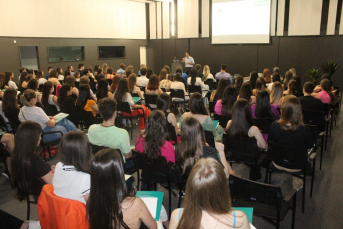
x,y
199,111
96,69
198,68
253,79
163,104
21,70
183,75
33,85
112,207
40,77
276,78
288,77
109,74
154,142
179,84
9,81
53,77
292,88
223,74
85,100
309,102
71,178
29,172
10,107
169,74
47,97
193,147
206,202
224,106
48,75
164,81
67,103
108,134
122,95
246,93
263,108
299,86
60,76
22,84
103,90
29,112
85,80
142,81
81,67
149,73
218,94
115,82
121,70
153,87
238,83
267,76
194,80
259,86
127,73
132,80
241,126
291,131
189,62
324,92
71,80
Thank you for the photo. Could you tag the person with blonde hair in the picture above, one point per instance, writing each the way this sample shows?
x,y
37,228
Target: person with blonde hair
x,y
293,71
276,94
207,179
207,73
164,81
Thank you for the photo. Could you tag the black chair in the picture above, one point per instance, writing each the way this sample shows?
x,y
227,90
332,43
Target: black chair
x,y
51,110
316,121
194,88
85,118
155,172
264,124
142,89
172,132
61,82
125,107
211,106
267,200
28,202
49,144
150,100
291,158
223,120
212,85
109,81
163,89
208,81
178,97
54,92
244,150
134,95
77,84
209,138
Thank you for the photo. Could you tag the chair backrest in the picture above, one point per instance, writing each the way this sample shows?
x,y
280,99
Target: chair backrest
x,y
177,93
288,156
77,84
194,88
243,149
314,118
211,106
51,110
264,124
96,148
314,131
209,138
163,89
152,172
3,123
58,87
60,213
150,99
109,81
208,81
222,120
142,89
124,107
212,85
85,116
172,133
326,108
134,95
262,197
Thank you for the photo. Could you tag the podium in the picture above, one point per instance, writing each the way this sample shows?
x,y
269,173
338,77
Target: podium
x,y
174,65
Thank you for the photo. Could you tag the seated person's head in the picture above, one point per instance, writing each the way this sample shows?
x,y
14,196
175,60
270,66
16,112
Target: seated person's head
x,y
223,67
143,71
163,102
85,72
75,149
291,114
309,87
84,80
197,105
326,85
107,108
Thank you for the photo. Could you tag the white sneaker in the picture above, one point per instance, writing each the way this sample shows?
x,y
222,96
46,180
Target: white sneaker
x,y
6,175
34,224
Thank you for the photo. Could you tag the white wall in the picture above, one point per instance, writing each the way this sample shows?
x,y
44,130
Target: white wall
x,y
73,19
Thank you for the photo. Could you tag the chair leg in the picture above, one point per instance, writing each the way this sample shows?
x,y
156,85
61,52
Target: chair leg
x,y
278,220
326,138
304,187
313,175
321,152
169,213
294,208
28,208
48,147
8,173
131,127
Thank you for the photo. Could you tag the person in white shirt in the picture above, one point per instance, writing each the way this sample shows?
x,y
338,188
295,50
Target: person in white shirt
x,y
196,81
189,62
60,74
21,70
71,178
142,81
9,81
178,84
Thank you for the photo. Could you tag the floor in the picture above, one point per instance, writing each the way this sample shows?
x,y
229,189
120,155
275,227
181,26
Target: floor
x,y
323,210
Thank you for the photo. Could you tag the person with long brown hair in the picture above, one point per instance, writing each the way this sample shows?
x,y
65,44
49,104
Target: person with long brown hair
x,y
164,81
267,76
71,80
218,94
276,94
53,77
10,107
288,77
246,93
259,85
323,92
153,87
207,202
132,80
115,82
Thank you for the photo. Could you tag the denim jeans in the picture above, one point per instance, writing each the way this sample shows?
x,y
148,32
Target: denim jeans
x,y
64,126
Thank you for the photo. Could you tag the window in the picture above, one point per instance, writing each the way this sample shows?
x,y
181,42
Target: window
x,y
110,52
66,53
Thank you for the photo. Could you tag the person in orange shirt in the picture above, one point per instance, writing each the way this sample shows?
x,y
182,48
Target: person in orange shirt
x,y
86,101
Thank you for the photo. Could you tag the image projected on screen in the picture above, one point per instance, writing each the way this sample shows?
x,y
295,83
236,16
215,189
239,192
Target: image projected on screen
x,y
240,21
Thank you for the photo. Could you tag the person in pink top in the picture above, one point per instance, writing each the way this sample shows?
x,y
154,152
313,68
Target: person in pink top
x,y
323,91
154,141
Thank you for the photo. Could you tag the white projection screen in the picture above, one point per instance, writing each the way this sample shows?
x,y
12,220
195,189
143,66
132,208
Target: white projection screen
x,y
241,21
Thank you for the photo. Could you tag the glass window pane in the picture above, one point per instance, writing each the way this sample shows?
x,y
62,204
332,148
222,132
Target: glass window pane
x,y
66,53
109,52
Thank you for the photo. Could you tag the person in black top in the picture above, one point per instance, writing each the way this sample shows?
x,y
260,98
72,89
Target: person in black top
x,y
29,171
307,101
67,103
10,108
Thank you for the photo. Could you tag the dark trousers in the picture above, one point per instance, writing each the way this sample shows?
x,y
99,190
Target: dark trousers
x,y
187,70
9,221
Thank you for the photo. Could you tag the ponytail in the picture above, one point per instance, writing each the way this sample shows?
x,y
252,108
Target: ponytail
x,y
26,97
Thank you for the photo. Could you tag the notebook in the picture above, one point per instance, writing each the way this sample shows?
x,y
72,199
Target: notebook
x,y
153,201
60,116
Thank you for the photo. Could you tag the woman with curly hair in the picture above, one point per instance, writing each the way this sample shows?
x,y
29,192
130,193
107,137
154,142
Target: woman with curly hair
x,y
153,87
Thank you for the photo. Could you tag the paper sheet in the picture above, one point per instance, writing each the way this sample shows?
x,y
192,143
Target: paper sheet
x,y
151,203
60,116
127,176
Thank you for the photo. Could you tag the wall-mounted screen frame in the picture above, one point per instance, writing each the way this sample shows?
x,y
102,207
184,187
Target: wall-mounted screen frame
x,y
66,53
111,52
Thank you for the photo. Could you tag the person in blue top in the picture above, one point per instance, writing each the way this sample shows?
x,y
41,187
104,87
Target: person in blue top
x,y
223,74
189,62
207,179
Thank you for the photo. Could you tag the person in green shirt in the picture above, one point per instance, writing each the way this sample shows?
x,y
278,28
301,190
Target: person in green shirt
x,y
107,134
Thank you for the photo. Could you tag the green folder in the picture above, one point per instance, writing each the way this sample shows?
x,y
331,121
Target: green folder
x,y
247,211
136,99
152,194
2,132
215,123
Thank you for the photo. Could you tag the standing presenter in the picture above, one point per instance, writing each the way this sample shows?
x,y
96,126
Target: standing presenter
x,y
189,62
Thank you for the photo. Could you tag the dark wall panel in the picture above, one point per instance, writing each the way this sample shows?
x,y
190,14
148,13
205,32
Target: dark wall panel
x,y
168,52
267,55
10,59
155,55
